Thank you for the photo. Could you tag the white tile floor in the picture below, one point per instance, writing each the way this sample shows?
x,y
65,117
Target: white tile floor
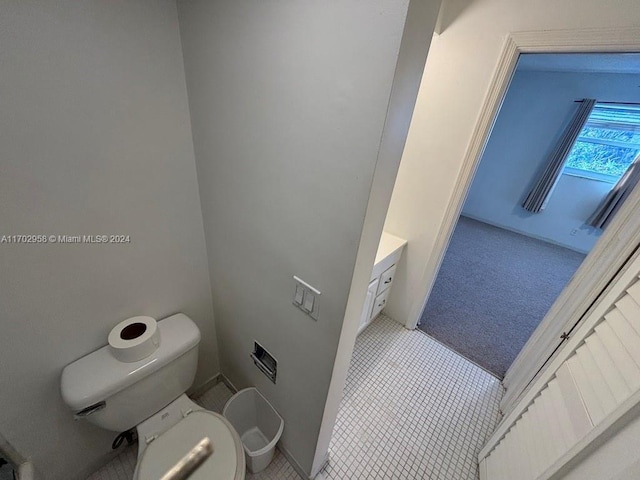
x,y
123,466
412,409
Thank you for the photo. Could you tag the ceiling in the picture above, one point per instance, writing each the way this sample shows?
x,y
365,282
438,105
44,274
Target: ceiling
x,y
581,62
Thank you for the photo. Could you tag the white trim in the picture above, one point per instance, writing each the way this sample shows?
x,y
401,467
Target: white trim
x,y
607,141
205,386
492,103
228,383
590,175
614,246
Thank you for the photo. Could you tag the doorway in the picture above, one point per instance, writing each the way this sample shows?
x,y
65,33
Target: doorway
x,y
505,266
588,282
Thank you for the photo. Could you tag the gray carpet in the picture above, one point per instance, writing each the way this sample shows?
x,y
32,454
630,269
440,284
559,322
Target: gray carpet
x,y
492,291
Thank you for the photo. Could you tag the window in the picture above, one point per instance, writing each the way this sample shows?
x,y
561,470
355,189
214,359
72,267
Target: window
x,y
608,143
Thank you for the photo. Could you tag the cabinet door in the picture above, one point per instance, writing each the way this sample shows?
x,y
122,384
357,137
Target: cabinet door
x,y
386,278
368,304
379,303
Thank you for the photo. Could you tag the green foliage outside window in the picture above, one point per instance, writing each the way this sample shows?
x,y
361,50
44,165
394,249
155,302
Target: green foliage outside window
x,y
604,159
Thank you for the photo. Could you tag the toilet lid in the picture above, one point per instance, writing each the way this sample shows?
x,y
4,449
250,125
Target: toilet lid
x,y
226,463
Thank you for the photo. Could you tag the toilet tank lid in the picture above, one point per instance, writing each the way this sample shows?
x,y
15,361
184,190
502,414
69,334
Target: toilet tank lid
x,y
99,375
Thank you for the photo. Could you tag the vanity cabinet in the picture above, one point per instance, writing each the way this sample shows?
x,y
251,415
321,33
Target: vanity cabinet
x,y
382,274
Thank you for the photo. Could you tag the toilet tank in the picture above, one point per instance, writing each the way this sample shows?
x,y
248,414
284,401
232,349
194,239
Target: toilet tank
x,y
118,396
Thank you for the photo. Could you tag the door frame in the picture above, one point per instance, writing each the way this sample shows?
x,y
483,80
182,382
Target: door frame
x,y
614,246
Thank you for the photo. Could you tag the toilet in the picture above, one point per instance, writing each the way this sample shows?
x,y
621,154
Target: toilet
x,y
150,395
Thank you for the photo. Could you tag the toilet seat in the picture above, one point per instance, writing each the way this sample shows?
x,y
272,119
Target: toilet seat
x,y
226,463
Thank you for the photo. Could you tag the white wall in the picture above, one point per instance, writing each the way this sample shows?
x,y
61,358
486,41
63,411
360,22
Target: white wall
x,y
94,138
288,104
535,112
457,77
416,38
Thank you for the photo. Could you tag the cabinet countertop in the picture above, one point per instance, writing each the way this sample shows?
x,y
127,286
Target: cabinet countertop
x,y
389,244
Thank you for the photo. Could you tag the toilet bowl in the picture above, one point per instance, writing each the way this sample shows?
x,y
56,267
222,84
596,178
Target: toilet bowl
x,y
150,395
168,445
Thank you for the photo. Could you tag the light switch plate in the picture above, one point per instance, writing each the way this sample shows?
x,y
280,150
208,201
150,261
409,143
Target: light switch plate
x,y
310,301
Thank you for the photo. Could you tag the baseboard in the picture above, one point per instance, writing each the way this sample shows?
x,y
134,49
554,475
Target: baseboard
x,y
294,463
203,387
228,383
525,234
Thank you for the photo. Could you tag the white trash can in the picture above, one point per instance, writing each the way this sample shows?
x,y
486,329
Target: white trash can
x,y
258,425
